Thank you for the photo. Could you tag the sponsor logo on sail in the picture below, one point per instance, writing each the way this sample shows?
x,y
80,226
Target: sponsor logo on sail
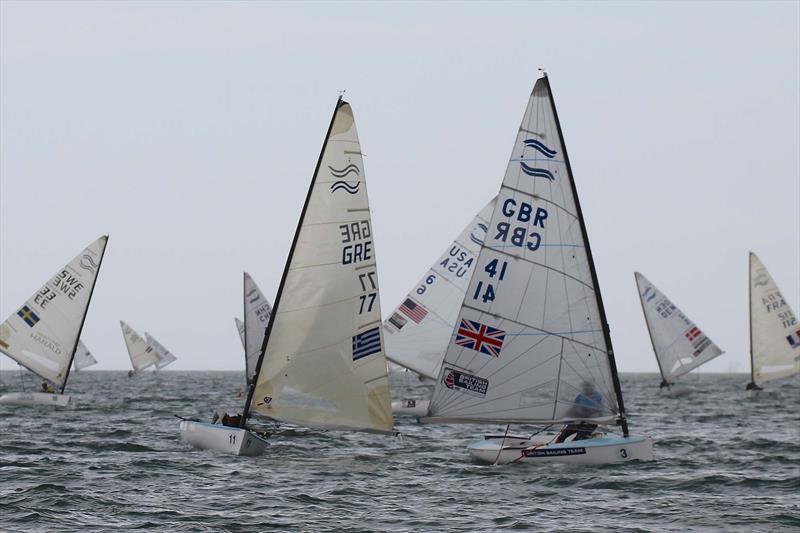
x,y
537,172
27,315
540,147
460,381
480,337
344,186
349,169
366,343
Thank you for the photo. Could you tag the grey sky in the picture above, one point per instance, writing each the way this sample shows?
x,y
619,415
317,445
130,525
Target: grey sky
x,y
189,132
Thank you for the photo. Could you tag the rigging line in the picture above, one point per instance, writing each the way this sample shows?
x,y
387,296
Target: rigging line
x,y
500,448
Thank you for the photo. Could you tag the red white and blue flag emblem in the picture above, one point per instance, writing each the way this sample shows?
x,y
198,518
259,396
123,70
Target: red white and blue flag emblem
x,y
480,337
794,339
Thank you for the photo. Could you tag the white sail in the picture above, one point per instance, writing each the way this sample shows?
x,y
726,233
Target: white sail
x,y
142,355
256,318
83,357
43,333
240,329
419,329
529,342
680,346
165,357
324,364
774,331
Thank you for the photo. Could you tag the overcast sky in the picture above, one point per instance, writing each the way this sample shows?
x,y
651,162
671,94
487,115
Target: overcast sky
x,y
189,133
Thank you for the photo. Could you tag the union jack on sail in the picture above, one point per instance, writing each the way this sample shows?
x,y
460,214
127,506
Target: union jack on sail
x,y
480,337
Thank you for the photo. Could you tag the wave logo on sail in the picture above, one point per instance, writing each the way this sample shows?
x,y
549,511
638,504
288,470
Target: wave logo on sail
x,y
537,172
761,280
87,263
349,169
648,294
346,187
28,316
481,230
463,382
540,147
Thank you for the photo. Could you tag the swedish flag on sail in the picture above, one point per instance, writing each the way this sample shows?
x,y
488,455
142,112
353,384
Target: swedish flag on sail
x,y
366,343
27,314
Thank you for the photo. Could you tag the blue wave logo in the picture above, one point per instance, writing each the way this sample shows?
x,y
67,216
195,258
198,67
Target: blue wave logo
x,y
479,240
761,280
349,169
539,147
87,263
537,172
349,189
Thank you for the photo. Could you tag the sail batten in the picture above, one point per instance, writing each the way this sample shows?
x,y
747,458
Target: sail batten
x,y
44,333
322,363
531,340
774,329
419,329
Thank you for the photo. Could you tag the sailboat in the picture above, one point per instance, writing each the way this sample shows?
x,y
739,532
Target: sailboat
x,y
322,362
256,318
680,346
774,330
43,334
165,357
83,357
240,329
142,355
418,330
531,343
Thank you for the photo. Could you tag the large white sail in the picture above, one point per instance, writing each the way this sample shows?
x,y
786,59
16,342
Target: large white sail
x,y
240,329
530,344
774,331
256,318
142,355
680,346
165,357
42,335
419,329
324,364
83,357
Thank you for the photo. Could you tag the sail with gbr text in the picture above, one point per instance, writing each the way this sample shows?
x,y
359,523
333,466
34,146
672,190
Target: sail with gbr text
x,y
531,336
42,334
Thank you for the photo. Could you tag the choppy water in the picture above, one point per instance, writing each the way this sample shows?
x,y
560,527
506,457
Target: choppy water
x,y
725,461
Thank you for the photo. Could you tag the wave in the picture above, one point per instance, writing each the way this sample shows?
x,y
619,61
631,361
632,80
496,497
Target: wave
x,y
475,239
349,189
537,172
540,147
349,169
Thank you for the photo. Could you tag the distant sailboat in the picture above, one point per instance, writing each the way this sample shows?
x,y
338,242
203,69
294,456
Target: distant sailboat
x,y
774,330
531,343
256,318
240,329
165,357
142,355
83,357
322,363
419,329
680,346
43,334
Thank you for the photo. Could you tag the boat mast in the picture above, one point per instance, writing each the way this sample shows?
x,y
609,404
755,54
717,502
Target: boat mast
x,y
85,312
252,387
650,332
750,317
604,322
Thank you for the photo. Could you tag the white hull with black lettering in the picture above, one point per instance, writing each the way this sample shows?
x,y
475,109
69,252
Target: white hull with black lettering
x,y
35,398
411,407
233,440
496,449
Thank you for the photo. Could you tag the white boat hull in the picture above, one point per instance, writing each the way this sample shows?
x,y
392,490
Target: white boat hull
x,y
411,407
35,398
605,450
222,438
676,391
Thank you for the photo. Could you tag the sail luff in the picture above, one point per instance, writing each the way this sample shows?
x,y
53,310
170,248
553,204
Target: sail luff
x,y
750,315
251,389
83,320
598,295
649,328
248,380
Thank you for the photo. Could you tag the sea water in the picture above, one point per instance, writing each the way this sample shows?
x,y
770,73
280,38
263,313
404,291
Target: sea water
x,y
725,461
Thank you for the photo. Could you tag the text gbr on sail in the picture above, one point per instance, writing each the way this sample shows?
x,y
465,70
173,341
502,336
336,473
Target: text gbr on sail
x,y
517,234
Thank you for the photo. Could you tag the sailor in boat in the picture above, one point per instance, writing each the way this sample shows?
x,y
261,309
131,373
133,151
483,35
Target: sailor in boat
x,y
47,388
753,386
226,419
587,404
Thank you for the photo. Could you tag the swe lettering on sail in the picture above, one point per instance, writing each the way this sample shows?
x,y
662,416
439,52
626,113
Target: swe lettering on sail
x,y
67,284
357,238
514,232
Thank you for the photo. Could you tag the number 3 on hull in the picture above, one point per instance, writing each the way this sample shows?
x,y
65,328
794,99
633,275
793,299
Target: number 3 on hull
x,y
531,344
